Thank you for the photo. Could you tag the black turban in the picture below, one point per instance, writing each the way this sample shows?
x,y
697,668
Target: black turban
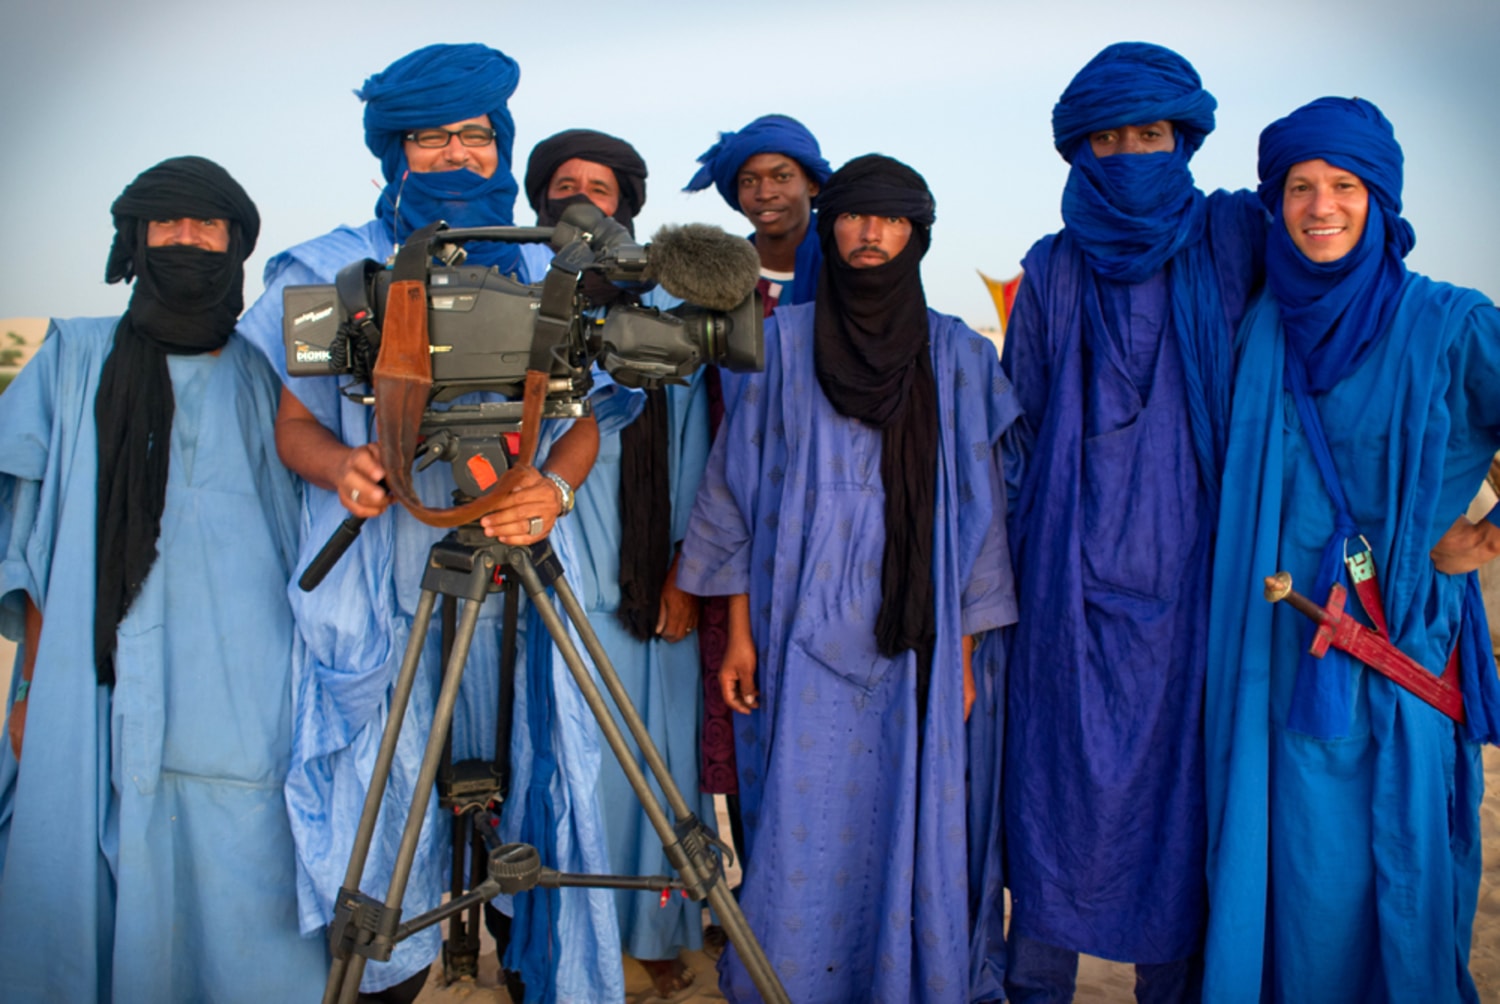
x,y
873,360
597,148
186,301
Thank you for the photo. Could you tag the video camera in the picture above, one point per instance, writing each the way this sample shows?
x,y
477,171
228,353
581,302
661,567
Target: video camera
x,y
483,326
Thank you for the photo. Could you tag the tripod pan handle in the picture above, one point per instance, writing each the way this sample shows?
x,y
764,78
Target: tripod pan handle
x,y
332,551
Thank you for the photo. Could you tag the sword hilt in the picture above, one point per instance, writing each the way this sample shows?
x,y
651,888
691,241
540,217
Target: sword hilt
x,y
1279,588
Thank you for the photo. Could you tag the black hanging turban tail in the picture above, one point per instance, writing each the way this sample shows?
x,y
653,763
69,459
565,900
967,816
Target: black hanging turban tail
x,y
872,357
186,301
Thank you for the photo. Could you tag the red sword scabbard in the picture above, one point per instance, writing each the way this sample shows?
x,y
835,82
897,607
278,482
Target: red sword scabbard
x,y
1337,629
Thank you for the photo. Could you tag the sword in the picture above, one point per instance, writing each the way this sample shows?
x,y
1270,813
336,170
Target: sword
x,y
1339,630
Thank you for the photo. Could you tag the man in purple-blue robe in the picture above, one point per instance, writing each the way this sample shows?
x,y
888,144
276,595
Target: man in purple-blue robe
x,y
853,513
1120,352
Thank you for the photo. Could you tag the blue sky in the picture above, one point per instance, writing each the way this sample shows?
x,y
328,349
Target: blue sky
x,y
963,91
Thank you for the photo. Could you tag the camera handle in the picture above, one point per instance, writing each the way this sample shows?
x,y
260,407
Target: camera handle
x,y
464,565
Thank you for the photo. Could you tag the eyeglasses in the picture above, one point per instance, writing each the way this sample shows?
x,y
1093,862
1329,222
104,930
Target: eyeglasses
x,y
436,139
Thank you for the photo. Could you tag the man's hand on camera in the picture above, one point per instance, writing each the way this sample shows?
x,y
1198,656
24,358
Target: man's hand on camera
x,y
528,513
359,480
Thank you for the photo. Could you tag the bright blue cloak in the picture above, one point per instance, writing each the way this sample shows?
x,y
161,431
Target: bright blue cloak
x,y
857,861
664,680
1348,869
1104,825
352,631
146,850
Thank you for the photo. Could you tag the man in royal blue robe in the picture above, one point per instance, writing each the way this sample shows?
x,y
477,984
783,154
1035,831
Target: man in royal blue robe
x,y
1120,352
1345,846
146,534
852,511
438,121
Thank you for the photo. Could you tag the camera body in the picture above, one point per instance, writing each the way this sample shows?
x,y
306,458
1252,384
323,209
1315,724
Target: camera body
x,y
483,326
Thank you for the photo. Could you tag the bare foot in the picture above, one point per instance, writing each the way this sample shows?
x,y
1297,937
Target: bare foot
x,y
714,941
669,977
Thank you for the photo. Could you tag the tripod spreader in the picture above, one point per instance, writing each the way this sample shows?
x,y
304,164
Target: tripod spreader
x,y
363,925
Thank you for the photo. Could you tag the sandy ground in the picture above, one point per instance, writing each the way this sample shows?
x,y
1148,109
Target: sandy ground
x,y
1099,981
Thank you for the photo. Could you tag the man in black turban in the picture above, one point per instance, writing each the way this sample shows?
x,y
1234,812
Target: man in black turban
x,y
852,511
148,528
632,511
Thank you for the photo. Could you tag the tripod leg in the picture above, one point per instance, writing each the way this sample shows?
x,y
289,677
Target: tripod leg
x,y
400,697
693,871
433,754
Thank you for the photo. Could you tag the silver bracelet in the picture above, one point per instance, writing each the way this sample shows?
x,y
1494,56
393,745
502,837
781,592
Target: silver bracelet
x,y
564,491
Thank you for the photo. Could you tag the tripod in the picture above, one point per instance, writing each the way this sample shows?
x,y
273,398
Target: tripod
x,y
467,565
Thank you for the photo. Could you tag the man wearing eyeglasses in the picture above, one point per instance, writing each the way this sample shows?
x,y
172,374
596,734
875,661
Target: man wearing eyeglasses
x,y
438,121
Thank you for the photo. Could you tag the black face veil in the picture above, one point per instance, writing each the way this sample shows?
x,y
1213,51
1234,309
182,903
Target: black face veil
x,y
186,301
873,361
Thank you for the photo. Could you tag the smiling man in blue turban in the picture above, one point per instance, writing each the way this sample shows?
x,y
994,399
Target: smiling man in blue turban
x,y
1120,351
437,119
771,171
1345,851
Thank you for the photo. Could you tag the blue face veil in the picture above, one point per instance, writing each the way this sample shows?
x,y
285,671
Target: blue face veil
x,y
1134,214
434,86
1334,312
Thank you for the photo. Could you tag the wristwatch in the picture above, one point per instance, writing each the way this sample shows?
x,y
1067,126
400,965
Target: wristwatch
x,y
564,491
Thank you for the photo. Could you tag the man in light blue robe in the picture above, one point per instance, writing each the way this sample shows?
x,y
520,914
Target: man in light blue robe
x,y
145,853
1120,351
852,511
438,121
1344,851
632,514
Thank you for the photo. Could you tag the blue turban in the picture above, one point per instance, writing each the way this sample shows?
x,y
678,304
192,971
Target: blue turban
x,y
1133,83
1131,215
767,134
1334,312
434,86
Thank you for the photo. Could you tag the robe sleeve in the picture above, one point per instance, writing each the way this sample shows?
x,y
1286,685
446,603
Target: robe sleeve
x,y
261,324
989,596
26,414
716,548
689,426
1025,362
1474,402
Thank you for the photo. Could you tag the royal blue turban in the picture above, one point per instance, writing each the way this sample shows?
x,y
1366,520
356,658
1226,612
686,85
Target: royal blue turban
x,y
1133,83
767,134
1134,214
434,86
1334,312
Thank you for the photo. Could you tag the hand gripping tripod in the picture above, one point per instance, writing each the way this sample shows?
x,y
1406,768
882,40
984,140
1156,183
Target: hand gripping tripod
x,y
468,566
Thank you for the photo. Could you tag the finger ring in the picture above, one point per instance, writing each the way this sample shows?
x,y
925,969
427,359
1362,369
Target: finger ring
x,y
534,526
354,495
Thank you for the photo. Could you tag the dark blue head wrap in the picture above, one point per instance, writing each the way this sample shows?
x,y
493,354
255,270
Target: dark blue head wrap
x,y
1334,312
1132,215
434,86
1133,83
767,134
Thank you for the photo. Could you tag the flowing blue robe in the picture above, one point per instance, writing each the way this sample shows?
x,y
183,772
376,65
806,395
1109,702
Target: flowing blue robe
x,y
146,850
1104,824
664,680
1348,869
352,632
857,867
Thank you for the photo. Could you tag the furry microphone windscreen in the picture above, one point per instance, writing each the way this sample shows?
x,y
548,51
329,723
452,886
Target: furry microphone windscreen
x,y
703,265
